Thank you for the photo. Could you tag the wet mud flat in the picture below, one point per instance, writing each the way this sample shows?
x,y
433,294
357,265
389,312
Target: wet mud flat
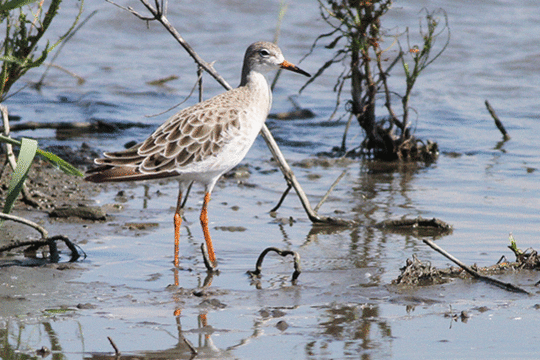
x,y
127,289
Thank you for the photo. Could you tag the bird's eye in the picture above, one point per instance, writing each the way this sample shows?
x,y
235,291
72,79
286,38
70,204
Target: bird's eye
x,y
264,52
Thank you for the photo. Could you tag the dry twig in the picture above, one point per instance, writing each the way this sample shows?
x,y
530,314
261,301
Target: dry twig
x,y
502,285
285,193
498,122
330,190
44,233
116,351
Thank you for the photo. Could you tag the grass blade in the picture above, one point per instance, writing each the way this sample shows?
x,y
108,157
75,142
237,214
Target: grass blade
x,y
26,156
50,157
60,163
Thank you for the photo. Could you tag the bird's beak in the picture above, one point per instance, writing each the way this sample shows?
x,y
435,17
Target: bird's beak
x,y
288,66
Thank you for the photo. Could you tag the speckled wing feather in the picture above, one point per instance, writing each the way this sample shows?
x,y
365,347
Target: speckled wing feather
x,y
191,136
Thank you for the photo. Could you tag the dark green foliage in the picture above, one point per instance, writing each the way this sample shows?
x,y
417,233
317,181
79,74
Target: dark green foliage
x,y
23,32
19,48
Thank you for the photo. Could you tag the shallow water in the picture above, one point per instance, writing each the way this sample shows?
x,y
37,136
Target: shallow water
x,y
343,305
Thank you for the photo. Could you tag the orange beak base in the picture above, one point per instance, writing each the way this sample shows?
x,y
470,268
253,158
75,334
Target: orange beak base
x,y
288,66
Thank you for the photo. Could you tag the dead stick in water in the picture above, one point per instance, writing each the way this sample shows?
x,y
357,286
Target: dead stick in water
x,y
498,122
503,285
116,351
275,208
316,209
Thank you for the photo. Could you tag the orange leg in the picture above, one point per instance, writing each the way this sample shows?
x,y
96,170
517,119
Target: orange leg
x,y
176,278
177,224
206,232
203,320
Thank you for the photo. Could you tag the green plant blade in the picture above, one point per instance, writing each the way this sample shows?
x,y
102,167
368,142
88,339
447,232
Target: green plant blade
x,y
9,140
14,4
60,163
26,156
50,157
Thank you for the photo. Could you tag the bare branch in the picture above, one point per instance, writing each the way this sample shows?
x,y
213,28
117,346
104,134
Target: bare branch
x,y
285,193
330,190
503,285
44,233
498,122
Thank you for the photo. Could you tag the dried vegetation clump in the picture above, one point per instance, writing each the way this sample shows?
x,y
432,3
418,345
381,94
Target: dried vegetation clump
x,y
418,273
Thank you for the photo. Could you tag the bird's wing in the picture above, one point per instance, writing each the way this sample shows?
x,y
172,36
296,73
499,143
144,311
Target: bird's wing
x,y
191,136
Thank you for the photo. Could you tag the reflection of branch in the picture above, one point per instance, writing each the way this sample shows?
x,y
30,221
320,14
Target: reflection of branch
x,y
157,13
503,285
55,342
201,291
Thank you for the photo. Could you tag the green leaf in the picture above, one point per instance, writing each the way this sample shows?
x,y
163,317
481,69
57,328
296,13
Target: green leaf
x,y
26,156
50,157
14,4
7,139
60,163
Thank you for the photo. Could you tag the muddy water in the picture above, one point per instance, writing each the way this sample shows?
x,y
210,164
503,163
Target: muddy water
x,y
343,305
